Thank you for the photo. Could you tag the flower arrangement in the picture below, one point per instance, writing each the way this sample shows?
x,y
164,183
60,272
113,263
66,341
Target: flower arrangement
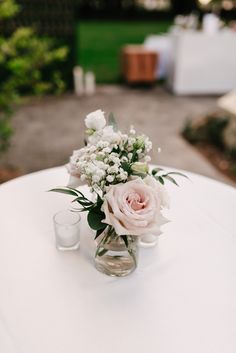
x,y
129,196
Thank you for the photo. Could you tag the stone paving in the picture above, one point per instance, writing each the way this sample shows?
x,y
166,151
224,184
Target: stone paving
x,y
47,130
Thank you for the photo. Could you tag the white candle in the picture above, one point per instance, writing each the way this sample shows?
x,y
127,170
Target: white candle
x,y
89,83
78,80
67,236
148,240
210,24
67,230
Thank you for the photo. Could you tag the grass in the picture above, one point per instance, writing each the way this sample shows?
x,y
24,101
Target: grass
x,y
98,44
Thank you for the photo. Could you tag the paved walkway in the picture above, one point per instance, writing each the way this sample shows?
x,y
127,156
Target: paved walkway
x,y
46,131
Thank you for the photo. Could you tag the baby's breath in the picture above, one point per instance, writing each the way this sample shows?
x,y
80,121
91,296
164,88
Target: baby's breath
x,y
108,157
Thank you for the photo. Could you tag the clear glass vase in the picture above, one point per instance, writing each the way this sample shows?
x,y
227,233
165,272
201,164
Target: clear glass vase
x,y
116,255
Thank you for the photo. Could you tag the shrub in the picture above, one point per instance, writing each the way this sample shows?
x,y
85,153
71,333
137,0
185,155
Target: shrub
x,y
25,68
209,129
216,130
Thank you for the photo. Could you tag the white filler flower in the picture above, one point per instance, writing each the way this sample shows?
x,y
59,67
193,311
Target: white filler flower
x,y
95,120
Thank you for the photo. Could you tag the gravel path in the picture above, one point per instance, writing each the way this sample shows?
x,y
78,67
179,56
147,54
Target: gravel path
x,y
47,130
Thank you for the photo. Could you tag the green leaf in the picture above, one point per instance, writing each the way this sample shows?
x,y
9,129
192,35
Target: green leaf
x,y
85,205
78,192
170,179
67,191
126,166
85,209
101,252
160,179
124,237
99,201
112,122
134,157
180,174
99,232
83,201
156,170
95,218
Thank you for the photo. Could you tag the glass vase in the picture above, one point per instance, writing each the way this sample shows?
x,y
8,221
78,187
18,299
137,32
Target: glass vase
x,y
116,255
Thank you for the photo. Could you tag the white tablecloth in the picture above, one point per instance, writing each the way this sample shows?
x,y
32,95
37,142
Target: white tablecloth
x,y
161,44
201,63
195,62
181,299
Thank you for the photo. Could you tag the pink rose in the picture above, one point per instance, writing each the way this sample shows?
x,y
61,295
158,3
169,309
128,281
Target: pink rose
x,y
134,208
159,189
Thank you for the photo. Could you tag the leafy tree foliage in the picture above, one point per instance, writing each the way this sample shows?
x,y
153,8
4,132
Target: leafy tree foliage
x,y
25,67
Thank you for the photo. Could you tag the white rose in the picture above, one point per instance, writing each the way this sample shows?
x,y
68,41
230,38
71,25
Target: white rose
x,y
109,135
133,208
95,120
104,137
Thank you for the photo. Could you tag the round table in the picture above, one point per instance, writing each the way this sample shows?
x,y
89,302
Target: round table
x,y
181,298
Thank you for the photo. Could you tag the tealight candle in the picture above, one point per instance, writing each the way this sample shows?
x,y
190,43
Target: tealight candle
x,y
148,241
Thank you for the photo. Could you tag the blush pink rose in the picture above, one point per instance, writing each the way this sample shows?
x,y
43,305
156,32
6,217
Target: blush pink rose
x,y
159,189
134,208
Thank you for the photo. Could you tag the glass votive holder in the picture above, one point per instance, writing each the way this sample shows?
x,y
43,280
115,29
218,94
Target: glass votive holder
x,y
148,241
67,230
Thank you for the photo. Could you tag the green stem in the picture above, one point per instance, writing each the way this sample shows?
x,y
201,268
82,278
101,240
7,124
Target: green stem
x,y
102,252
130,251
100,249
133,256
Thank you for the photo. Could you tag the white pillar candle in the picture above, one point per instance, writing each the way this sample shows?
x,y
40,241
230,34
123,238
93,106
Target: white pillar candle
x,y
210,23
89,83
78,80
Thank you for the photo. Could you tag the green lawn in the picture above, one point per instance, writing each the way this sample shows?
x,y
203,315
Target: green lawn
x,y
99,43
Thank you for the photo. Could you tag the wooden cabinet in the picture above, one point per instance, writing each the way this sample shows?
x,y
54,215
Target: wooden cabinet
x,y
138,64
